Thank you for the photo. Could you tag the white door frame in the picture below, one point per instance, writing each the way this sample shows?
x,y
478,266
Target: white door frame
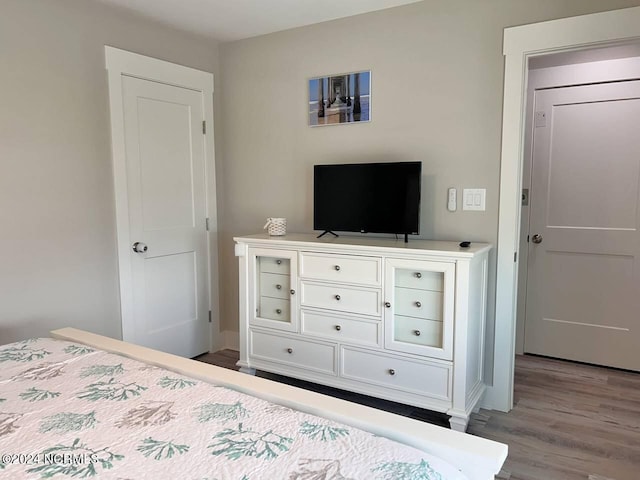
x,y
521,43
118,63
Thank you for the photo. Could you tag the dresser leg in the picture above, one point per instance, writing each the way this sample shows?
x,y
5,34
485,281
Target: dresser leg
x,y
250,371
459,424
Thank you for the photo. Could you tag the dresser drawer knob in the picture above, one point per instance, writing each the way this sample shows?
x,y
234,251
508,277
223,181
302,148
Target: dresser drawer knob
x,y
338,327
338,297
278,311
392,371
418,275
278,287
293,292
418,304
417,333
289,350
387,304
279,262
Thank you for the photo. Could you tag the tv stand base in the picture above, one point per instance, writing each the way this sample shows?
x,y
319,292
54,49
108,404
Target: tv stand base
x,y
327,231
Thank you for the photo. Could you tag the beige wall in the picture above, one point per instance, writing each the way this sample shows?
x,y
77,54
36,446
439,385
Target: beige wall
x,y
437,84
58,261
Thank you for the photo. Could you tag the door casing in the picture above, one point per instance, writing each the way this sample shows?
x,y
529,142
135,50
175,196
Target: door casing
x,y
520,44
118,63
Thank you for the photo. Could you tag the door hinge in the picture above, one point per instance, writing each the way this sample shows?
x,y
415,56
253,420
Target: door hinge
x,y
209,316
515,257
206,221
204,127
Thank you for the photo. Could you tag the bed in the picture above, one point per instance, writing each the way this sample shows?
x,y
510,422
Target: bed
x,y
79,405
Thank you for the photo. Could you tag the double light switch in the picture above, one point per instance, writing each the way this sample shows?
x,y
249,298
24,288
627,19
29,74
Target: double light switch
x,y
474,199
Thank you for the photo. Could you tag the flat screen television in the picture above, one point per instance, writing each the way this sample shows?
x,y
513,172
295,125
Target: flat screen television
x,y
367,197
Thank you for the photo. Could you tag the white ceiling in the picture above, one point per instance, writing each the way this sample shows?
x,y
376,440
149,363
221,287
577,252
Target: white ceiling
x,y
228,20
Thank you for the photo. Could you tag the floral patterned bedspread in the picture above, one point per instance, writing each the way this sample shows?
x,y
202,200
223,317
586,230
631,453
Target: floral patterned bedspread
x,y
67,410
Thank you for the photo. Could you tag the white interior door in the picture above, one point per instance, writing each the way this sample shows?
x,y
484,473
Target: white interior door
x,y
583,286
165,170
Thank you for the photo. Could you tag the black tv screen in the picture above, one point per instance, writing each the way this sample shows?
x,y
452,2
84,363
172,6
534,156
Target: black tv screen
x,y
367,197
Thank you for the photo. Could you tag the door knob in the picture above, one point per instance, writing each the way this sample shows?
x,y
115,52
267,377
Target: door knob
x,y
537,238
139,247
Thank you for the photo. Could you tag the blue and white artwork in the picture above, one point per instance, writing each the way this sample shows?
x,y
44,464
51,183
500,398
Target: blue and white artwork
x,y
343,98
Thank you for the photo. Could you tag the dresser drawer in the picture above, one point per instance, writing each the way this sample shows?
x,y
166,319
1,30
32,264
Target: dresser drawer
x,y
365,301
292,351
420,279
423,378
341,329
274,285
274,265
410,302
274,309
341,268
417,331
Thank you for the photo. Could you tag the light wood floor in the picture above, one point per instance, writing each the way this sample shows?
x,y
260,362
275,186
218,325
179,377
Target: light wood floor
x,y
569,421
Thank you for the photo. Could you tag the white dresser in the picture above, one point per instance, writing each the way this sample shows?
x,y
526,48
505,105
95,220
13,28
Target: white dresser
x,y
394,320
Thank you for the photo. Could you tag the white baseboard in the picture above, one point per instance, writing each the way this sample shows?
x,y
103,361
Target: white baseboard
x,y
229,340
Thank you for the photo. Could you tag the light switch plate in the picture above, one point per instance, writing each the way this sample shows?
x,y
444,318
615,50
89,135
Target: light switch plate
x,y
474,199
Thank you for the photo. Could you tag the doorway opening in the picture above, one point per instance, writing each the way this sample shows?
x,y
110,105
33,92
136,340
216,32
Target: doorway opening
x,y
558,304
521,44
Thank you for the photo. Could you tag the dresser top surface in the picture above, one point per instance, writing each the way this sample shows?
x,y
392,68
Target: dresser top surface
x,y
350,243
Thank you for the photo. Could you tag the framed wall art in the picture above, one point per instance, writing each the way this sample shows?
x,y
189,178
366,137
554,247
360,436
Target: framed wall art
x,y
340,98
